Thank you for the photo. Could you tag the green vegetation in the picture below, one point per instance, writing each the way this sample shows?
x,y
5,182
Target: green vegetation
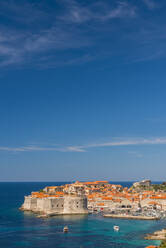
x,y
159,187
163,244
155,187
41,190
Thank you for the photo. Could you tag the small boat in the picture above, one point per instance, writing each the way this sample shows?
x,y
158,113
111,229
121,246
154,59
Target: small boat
x,y
116,228
65,229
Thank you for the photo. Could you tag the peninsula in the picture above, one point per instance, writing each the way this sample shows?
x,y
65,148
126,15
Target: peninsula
x,y
143,200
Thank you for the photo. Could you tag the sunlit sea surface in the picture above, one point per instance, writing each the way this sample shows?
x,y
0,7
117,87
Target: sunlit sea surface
x,y
19,229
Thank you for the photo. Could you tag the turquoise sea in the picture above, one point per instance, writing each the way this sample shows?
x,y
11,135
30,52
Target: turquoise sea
x,y
21,230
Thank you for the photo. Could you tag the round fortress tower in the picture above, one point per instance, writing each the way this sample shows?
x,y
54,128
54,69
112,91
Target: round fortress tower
x,y
75,204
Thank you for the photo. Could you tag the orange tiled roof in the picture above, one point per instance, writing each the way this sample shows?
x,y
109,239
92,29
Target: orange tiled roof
x,y
100,204
152,203
160,197
89,183
52,187
151,246
101,181
59,193
107,198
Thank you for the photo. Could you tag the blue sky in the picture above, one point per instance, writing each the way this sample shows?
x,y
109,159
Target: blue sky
x,y
82,90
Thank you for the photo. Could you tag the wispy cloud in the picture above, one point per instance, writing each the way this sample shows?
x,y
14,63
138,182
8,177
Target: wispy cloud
x,y
77,13
23,42
29,46
121,11
33,148
79,60
157,55
86,147
128,142
135,154
150,4
71,31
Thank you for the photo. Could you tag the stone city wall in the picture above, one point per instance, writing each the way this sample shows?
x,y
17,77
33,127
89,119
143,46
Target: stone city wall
x,y
59,205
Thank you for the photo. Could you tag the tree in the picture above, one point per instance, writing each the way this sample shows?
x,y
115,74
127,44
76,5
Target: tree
x,y
163,244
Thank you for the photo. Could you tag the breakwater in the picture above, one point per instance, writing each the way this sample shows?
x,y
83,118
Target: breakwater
x,y
132,217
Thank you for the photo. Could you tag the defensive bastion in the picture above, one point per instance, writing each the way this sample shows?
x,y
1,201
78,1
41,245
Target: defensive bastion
x,y
49,205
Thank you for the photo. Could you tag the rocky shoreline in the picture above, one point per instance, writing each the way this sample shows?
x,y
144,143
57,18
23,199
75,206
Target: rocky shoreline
x,y
158,235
